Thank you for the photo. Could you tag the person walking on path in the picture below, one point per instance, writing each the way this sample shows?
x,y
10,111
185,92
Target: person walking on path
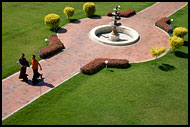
x,y
36,74
23,65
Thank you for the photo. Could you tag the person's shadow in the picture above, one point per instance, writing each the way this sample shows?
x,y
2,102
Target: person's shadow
x,y
40,82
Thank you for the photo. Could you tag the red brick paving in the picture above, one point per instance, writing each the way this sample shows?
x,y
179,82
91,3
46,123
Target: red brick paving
x,y
81,50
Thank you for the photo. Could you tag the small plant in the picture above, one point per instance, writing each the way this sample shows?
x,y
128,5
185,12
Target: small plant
x,y
175,42
89,9
69,12
157,51
180,31
52,20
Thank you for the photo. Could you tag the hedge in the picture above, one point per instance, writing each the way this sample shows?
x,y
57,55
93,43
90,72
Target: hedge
x,y
99,63
126,13
55,46
163,23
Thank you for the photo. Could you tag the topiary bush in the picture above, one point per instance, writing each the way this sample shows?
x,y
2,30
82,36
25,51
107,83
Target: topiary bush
x,y
163,23
175,42
89,9
126,13
180,31
69,12
99,63
55,46
52,20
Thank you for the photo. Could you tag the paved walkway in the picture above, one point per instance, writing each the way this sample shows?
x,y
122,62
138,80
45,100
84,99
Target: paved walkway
x,y
81,50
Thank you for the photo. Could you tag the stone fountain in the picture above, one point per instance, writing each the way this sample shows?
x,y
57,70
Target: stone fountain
x,y
114,34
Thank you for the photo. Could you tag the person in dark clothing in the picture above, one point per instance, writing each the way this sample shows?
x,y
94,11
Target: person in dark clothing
x,y
35,64
23,65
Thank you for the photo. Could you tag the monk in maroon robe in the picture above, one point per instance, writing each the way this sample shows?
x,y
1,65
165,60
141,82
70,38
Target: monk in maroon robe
x,y
24,64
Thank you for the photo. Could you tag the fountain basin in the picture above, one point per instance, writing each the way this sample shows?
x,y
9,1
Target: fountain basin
x,y
101,33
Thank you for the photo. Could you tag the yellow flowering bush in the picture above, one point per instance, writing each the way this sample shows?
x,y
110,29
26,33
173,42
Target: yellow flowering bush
x,y
175,42
69,12
180,31
89,9
157,51
52,20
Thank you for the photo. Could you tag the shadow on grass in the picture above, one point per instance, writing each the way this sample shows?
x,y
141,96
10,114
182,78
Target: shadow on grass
x,y
95,17
166,67
61,30
108,69
40,83
55,30
185,43
181,54
74,21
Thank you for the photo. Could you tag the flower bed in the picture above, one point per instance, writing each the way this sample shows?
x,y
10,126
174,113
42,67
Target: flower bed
x,y
55,46
163,23
99,63
126,13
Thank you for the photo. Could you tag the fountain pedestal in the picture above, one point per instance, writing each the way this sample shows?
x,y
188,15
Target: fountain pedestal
x,y
114,36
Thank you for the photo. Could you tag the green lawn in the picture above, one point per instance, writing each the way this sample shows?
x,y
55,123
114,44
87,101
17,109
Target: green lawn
x,y
140,95
24,31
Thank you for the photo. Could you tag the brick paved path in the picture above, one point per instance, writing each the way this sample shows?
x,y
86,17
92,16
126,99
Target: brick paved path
x,y
81,50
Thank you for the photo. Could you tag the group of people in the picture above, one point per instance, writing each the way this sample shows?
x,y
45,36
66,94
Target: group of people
x,y
24,64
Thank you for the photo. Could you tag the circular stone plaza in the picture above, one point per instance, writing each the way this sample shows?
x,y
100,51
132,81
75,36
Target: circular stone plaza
x,y
80,50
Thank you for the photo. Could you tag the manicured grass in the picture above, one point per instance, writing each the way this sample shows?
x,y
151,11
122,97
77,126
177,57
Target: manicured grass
x,y
143,94
24,31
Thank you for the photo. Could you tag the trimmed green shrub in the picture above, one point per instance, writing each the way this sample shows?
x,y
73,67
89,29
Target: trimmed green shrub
x,y
89,9
52,20
175,42
69,12
180,31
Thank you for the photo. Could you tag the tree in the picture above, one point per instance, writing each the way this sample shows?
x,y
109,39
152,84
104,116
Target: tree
x,y
180,31
69,12
175,42
52,20
89,9
157,51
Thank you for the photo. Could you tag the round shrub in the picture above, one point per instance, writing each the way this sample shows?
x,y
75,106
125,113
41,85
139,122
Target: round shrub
x,y
89,9
175,42
69,11
52,20
180,31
